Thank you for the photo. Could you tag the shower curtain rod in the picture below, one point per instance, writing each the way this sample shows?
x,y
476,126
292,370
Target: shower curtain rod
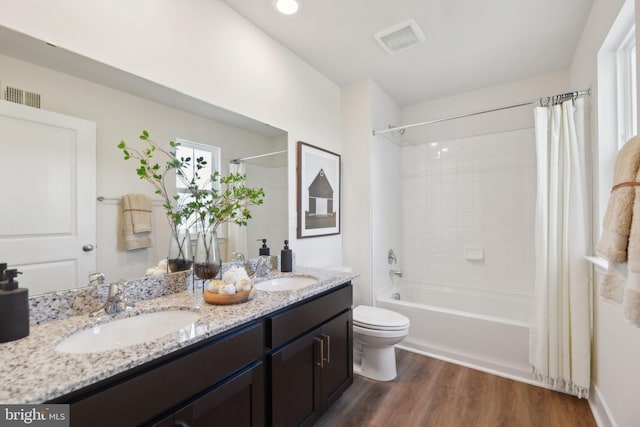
x,y
236,161
545,101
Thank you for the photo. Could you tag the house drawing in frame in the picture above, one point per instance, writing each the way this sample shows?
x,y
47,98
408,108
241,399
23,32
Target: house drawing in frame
x,y
321,197
318,173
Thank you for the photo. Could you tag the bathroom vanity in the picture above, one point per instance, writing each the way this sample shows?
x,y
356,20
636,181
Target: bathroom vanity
x,y
280,359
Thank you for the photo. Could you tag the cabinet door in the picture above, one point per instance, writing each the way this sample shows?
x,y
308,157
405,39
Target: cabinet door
x,y
165,422
337,370
295,388
238,402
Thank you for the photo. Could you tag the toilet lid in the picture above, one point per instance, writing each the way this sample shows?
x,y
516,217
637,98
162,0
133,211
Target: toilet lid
x,y
378,318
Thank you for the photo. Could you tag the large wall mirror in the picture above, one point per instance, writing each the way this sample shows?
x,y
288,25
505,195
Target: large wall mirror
x,y
122,105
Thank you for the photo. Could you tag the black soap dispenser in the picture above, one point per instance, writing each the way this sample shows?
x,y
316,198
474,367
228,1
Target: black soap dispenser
x,y
14,306
286,258
264,250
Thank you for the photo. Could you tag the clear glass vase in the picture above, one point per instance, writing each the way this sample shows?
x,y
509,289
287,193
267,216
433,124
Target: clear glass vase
x,y
180,258
207,257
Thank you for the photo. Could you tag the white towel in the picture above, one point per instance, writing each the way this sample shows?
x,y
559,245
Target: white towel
x,y
137,221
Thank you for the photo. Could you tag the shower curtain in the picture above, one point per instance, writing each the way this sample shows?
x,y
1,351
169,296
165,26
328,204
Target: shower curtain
x,y
236,235
559,339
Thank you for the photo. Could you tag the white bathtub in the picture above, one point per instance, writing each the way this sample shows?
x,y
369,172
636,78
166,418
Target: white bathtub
x,y
480,330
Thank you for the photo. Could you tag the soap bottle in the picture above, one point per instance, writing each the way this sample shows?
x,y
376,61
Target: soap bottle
x,y
14,306
264,250
286,258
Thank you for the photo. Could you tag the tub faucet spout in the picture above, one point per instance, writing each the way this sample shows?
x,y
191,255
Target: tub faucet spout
x,y
396,273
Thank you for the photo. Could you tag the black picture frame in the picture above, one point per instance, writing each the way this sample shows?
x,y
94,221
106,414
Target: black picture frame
x,y
319,191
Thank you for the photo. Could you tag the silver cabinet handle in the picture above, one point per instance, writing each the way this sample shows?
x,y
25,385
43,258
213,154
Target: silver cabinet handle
x,y
328,338
320,344
88,248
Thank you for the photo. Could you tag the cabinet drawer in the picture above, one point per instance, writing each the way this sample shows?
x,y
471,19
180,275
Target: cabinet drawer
x,y
141,397
289,323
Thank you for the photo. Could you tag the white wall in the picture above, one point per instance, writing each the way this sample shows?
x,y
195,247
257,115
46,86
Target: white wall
x,y
356,186
204,49
122,116
266,219
479,100
616,346
386,195
371,196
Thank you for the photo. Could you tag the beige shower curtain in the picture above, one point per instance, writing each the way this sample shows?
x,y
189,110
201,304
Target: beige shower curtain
x,y
559,340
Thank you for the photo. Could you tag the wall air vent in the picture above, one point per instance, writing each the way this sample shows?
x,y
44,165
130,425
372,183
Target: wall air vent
x,y
32,99
13,94
19,96
400,36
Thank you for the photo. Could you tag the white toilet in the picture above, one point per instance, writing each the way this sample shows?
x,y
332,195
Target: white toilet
x,y
376,331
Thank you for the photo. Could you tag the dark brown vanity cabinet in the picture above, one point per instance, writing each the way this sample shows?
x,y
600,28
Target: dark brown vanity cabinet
x,y
311,358
220,378
237,402
283,369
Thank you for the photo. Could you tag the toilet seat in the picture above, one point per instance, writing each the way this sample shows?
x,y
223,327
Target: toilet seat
x,y
379,319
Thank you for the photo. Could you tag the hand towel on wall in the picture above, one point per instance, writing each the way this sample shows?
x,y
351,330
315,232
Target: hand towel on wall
x,y
620,240
137,221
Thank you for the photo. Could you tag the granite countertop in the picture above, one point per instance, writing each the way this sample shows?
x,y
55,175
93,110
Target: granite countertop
x,y
32,371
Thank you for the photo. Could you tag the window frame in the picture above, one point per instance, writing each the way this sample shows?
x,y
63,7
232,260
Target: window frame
x,y
216,163
626,83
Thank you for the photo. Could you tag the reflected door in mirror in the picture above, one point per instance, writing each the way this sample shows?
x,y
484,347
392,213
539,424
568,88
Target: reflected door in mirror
x,y
48,213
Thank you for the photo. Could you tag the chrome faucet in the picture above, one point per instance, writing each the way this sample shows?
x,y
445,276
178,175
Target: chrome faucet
x,y
96,279
238,256
263,266
116,300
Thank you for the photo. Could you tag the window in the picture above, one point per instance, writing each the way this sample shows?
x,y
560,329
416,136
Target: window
x,y
193,150
617,104
627,88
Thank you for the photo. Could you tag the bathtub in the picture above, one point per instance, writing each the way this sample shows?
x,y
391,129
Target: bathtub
x,y
480,330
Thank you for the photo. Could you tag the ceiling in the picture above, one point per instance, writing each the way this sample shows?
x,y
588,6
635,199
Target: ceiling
x,y
470,44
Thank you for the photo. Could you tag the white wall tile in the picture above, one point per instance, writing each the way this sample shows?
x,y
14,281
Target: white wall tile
x,y
481,193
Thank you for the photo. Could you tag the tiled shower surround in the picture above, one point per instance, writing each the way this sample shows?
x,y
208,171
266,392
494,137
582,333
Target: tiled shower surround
x,y
477,193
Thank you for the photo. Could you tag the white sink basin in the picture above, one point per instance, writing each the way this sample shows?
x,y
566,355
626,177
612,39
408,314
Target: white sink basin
x,y
128,331
286,283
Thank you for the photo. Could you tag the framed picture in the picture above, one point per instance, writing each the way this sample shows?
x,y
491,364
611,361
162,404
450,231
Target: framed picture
x,y
318,191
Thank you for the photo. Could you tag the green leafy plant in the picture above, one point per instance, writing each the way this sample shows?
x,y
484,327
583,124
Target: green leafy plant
x,y
216,207
208,206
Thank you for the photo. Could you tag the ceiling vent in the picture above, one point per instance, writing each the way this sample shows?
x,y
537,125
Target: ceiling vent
x,y
400,36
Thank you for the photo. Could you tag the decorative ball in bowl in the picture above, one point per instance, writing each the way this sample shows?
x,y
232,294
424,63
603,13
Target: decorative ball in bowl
x,y
235,287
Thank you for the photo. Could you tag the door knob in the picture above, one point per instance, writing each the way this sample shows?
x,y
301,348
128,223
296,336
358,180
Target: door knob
x,y
88,248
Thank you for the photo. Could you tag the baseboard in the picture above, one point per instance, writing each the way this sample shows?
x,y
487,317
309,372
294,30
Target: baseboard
x,y
599,408
478,365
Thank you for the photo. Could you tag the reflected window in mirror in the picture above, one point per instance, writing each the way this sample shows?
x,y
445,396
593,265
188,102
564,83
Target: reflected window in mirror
x,y
194,150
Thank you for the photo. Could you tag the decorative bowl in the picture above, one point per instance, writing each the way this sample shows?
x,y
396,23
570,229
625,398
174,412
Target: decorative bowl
x,y
222,299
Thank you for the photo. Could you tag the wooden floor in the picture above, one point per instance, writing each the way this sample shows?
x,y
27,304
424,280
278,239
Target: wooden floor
x,y
430,392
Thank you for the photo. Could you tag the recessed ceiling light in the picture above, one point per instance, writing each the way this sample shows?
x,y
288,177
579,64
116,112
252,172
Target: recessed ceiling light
x,y
287,7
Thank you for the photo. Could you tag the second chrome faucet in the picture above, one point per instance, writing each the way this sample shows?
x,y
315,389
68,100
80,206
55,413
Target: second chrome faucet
x,y
116,299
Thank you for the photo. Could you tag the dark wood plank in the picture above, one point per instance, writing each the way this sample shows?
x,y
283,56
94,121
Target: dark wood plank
x,y
430,392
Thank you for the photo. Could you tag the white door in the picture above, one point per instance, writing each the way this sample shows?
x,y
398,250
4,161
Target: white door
x,y
47,197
